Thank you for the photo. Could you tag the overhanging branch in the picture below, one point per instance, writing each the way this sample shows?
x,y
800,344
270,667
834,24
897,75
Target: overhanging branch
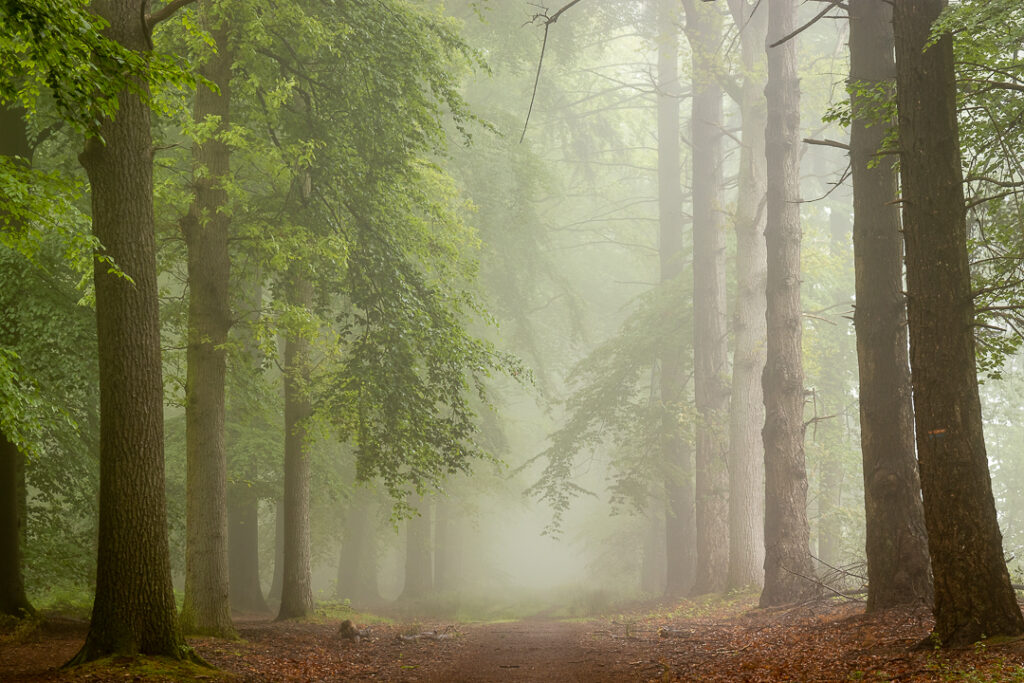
x,y
548,21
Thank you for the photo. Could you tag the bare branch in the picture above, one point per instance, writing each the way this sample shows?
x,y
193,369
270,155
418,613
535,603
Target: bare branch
x,y
817,17
548,20
828,143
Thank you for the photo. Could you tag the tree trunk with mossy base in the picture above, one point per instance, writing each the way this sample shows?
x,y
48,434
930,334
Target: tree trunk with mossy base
x,y
899,570
973,595
134,610
207,607
787,565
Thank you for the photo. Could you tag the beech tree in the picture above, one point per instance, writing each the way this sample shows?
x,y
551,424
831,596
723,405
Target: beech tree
x,y
207,608
13,600
746,407
297,583
134,610
897,545
676,452
357,564
15,147
419,551
788,569
710,344
973,595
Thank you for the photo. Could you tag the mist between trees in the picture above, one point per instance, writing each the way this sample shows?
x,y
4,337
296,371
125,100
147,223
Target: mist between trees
x,y
298,306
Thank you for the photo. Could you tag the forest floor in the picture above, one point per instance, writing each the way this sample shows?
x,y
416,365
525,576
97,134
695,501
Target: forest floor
x,y
723,640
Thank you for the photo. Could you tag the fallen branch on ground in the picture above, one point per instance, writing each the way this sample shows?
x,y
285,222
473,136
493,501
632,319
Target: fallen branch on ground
x,y
447,634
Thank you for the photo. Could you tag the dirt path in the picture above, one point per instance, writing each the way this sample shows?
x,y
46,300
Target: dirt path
x,y
533,651
816,642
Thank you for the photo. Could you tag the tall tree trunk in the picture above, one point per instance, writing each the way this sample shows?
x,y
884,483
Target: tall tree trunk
x,y
448,536
134,609
676,454
296,586
243,501
786,532
244,550
419,565
973,595
13,601
357,566
746,413
899,570
710,352
207,608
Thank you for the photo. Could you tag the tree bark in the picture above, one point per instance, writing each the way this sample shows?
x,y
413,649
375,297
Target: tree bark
x,y
207,608
244,550
13,601
899,570
710,352
973,595
296,579
746,413
243,499
676,454
419,564
134,610
787,565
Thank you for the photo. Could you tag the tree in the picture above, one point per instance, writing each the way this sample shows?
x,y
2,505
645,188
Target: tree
x,y
357,565
973,595
897,545
419,552
296,587
675,452
14,145
710,344
254,446
788,570
207,607
449,533
134,610
243,550
13,601
746,408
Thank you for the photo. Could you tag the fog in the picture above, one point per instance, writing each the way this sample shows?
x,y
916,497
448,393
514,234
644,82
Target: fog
x,y
485,310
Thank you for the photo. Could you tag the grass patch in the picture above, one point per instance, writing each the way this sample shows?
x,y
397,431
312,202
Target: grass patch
x,y
15,630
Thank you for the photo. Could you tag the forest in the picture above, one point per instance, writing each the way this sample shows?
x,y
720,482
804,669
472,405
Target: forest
x,y
486,340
